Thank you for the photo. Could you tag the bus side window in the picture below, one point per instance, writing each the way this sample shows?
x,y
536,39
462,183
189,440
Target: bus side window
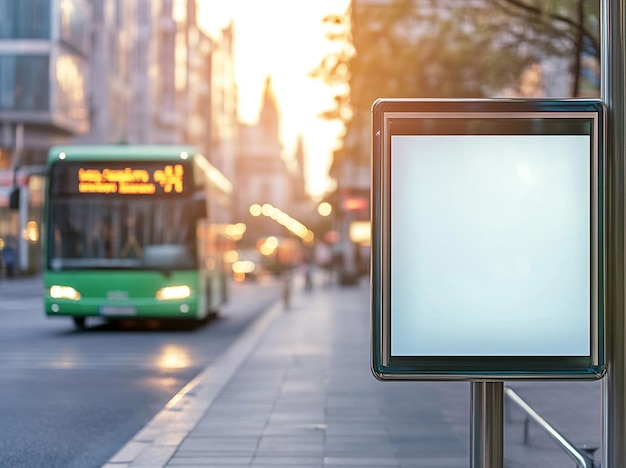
x,y
200,205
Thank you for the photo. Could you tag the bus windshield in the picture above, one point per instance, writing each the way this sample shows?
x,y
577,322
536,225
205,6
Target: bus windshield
x,y
135,230
139,233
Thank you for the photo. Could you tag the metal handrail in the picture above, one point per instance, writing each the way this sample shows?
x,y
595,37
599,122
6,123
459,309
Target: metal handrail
x,y
581,458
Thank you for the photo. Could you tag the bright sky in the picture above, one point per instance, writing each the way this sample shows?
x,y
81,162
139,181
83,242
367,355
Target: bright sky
x,y
284,39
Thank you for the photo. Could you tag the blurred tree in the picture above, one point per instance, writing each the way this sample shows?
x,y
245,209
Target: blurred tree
x,y
443,49
447,48
566,29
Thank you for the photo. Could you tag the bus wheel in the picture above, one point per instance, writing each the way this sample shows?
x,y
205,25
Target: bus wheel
x,y
79,322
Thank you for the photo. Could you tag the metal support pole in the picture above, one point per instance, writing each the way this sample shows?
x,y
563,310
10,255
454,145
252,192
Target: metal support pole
x,y
18,148
613,84
21,244
487,425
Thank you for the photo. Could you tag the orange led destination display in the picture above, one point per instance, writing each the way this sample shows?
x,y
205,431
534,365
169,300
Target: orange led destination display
x,y
128,181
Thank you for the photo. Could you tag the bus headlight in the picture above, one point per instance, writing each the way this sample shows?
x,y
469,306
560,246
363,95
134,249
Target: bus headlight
x,y
64,292
173,292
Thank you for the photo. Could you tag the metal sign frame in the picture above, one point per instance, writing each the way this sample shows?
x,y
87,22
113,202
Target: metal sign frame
x,y
482,117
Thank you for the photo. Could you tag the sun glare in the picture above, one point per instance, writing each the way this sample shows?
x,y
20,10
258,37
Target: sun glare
x,y
286,40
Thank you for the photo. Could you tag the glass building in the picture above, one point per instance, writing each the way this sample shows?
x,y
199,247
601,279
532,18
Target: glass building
x,y
44,51
44,46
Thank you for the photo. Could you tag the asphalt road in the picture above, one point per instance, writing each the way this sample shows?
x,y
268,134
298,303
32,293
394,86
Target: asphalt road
x,y
72,398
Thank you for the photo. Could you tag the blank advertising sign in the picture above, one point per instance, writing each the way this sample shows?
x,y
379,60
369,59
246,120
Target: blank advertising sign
x,y
487,252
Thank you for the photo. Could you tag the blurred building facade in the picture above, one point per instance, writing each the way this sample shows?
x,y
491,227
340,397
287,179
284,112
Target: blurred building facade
x,y
44,71
152,77
104,71
222,132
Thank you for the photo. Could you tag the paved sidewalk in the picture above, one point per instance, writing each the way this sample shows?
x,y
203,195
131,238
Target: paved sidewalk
x,y
296,391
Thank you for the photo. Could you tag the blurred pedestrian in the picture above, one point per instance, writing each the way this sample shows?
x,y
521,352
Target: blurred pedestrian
x,y
308,276
8,260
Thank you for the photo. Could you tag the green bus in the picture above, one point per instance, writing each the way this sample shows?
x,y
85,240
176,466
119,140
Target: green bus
x,y
134,231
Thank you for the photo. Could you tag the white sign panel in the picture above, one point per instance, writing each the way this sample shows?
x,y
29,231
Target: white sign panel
x,y
490,245
487,243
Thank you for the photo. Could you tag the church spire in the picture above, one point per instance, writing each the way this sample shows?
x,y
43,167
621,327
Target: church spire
x,y
269,117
